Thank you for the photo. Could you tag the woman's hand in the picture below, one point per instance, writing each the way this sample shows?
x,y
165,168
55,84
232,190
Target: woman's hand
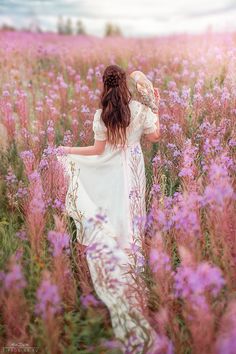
x,y
157,95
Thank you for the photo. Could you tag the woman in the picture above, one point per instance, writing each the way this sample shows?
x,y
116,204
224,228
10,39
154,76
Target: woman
x,y
106,199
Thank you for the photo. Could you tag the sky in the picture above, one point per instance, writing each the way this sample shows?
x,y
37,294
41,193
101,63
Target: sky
x,y
135,17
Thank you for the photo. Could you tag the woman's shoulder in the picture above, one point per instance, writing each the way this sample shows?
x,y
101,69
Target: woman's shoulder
x,y
97,116
136,103
137,107
97,120
98,113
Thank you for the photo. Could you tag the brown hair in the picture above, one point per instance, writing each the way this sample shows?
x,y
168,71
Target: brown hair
x,y
115,100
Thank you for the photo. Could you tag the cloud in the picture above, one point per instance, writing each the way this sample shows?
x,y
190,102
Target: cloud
x,y
225,8
136,17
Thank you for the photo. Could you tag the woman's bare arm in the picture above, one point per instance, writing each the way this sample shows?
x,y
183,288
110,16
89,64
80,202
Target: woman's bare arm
x,y
96,149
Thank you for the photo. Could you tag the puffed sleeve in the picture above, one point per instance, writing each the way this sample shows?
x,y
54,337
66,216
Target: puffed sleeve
x,y
150,122
99,128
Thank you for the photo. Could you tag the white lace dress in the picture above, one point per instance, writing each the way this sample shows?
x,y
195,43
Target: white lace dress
x,y
106,199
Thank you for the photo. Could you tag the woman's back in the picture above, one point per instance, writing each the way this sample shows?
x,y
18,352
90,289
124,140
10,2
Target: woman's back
x,y
143,121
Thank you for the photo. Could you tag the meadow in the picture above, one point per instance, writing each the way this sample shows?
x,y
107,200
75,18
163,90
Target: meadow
x,y
49,91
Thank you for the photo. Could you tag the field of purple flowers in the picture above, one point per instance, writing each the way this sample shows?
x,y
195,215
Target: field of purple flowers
x,y
49,91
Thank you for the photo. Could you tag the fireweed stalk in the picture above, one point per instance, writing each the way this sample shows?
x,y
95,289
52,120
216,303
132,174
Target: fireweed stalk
x,y
49,308
61,271
54,180
15,314
196,284
34,213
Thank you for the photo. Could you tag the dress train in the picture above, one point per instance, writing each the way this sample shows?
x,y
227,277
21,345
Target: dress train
x,y
115,286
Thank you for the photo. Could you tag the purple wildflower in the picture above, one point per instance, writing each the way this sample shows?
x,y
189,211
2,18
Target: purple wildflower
x,y
101,217
22,192
185,216
226,344
163,220
21,234
28,159
58,204
43,164
156,188
37,203
189,156
191,283
161,345
136,150
112,344
48,298
175,128
226,339
156,160
14,279
232,142
159,260
67,140
59,241
27,155
85,109
10,177
89,300
220,189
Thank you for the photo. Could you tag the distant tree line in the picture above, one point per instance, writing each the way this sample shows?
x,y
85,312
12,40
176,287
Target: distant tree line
x,y
66,27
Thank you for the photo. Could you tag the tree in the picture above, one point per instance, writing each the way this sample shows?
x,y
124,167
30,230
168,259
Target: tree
x,y
112,30
60,25
6,27
80,27
68,27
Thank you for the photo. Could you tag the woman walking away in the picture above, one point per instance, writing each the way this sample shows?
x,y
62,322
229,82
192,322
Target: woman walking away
x,y
106,199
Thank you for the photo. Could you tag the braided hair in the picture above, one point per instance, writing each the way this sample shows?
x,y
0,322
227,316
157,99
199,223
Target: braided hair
x,y
112,79
115,100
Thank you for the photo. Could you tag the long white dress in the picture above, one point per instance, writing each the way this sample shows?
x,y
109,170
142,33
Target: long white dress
x,y
106,199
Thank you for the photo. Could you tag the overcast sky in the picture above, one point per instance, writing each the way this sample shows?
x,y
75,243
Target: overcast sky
x,y
135,17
